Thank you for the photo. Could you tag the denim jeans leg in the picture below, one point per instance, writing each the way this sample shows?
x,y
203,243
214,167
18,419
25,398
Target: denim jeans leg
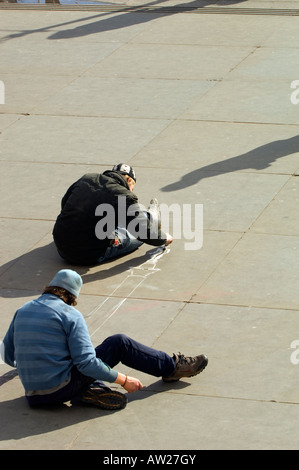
x,y
121,348
127,244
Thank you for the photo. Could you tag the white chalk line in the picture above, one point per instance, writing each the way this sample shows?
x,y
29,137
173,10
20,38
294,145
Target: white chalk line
x,y
146,269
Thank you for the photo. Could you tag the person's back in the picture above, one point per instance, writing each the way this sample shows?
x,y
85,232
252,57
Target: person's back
x,y
41,349
74,231
85,235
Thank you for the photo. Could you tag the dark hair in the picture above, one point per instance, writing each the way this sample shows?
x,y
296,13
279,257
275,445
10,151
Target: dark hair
x,y
62,293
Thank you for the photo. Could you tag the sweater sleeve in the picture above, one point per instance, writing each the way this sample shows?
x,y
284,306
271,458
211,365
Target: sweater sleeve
x,y
8,345
83,353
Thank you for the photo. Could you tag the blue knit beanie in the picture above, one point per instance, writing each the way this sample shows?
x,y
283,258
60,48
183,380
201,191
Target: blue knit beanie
x,y
69,280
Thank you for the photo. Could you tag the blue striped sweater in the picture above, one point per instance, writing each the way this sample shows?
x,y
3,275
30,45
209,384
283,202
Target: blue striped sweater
x,y
46,338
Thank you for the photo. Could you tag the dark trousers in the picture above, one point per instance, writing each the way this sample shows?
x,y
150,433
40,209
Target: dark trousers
x,y
115,349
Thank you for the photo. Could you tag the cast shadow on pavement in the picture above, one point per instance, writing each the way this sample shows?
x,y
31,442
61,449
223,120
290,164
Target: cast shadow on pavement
x,y
258,159
157,387
34,270
19,421
128,18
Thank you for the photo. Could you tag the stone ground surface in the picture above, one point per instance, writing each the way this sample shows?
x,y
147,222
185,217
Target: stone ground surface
x,y
197,97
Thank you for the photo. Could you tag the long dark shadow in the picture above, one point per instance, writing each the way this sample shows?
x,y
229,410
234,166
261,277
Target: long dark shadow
x,y
259,158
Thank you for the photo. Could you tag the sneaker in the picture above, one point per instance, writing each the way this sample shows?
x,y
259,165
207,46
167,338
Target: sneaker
x,y
154,210
105,399
186,367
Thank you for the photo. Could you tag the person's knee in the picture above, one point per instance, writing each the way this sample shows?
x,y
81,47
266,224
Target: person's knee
x,y
120,338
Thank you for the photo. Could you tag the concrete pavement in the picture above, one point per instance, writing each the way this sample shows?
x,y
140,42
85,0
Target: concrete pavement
x,y
198,99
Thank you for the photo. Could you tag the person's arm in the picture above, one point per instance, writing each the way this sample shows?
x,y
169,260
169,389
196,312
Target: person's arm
x,y
141,225
8,345
84,358
82,351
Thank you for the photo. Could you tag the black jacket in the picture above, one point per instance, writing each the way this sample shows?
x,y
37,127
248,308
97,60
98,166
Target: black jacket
x,y
75,228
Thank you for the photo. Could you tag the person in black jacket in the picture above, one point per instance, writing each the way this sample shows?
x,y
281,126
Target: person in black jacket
x,y
100,218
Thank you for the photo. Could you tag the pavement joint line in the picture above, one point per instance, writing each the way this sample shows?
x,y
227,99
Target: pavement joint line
x,y
154,9
26,218
264,307
93,116
224,397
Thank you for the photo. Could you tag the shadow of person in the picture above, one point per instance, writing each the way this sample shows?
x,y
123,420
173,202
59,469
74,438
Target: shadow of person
x,y
8,376
132,16
157,387
259,158
106,22
117,266
126,18
19,421
31,272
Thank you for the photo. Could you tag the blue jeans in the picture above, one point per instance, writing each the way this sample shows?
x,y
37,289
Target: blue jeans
x,y
121,348
115,349
126,244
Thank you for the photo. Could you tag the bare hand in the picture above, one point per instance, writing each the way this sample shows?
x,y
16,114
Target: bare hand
x,y
132,384
169,239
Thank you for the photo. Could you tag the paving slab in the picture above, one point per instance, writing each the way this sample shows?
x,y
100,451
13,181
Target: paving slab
x,y
280,62
22,99
73,139
18,236
280,217
162,99
249,422
172,61
196,96
18,204
232,336
276,39
7,120
240,101
195,29
270,271
58,58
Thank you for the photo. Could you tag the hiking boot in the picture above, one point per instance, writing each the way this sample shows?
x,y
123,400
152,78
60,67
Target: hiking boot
x,y
105,399
154,210
186,367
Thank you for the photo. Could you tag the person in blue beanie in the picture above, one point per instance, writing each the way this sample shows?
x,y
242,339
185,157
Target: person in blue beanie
x,y
49,344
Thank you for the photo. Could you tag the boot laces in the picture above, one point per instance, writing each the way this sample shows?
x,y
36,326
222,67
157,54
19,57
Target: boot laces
x,y
183,360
